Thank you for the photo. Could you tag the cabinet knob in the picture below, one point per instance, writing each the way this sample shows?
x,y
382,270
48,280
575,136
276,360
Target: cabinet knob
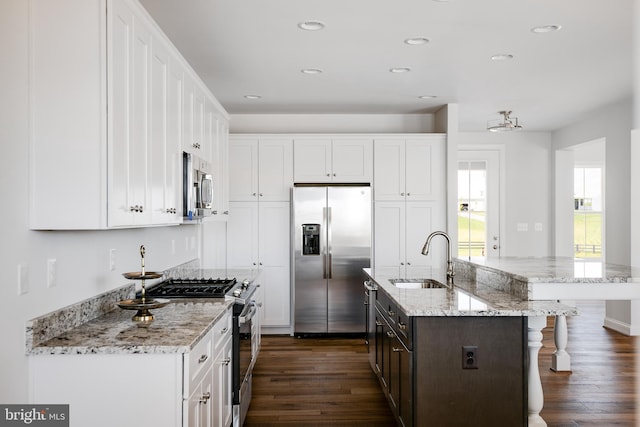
x,y
215,212
203,358
402,194
328,174
260,194
391,313
390,334
402,326
224,331
408,194
225,213
402,263
226,361
334,174
205,397
253,194
379,323
408,263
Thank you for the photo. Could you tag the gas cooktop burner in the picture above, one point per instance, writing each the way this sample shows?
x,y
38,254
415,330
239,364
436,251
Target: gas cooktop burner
x,y
192,288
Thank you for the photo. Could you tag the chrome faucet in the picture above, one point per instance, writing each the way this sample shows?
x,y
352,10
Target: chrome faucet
x,y
425,251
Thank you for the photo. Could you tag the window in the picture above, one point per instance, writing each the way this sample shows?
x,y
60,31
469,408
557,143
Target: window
x,y
472,208
587,216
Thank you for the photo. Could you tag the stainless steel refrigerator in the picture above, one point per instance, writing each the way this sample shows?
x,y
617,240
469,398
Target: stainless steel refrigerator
x,y
332,244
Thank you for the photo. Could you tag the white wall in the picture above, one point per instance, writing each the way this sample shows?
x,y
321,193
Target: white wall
x,y
613,123
82,257
333,123
527,190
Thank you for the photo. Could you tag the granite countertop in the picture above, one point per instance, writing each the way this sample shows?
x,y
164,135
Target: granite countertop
x,y
176,328
465,298
98,325
556,269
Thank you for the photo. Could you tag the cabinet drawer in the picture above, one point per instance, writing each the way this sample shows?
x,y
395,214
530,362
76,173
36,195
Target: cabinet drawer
x,y
198,362
221,331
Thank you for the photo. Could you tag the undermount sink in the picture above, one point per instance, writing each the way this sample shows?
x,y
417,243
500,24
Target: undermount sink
x,y
417,283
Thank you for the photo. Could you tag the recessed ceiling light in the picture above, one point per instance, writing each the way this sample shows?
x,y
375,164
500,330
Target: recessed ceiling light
x,y
311,71
427,96
398,70
253,96
417,40
502,57
311,25
545,29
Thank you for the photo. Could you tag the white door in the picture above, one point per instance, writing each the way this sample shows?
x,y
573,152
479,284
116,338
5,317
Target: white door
x,y
478,203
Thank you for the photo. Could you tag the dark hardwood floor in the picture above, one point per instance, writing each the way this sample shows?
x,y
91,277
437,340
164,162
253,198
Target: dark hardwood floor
x,y
328,381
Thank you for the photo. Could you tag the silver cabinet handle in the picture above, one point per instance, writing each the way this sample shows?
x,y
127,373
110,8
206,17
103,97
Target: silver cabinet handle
x,y
379,323
224,331
397,350
203,358
226,361
391,313
390,334
205,397
402,326
402,194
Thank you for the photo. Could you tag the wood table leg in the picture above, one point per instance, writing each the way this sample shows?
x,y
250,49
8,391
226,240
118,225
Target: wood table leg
x,y
536,396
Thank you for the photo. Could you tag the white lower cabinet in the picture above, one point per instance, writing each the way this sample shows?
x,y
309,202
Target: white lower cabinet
x,y
155,389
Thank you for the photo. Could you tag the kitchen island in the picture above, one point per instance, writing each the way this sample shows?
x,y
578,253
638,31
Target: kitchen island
x,y
455,352
557,279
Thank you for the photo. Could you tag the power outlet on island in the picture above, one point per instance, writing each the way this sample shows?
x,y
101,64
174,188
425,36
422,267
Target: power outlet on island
x,y
469,357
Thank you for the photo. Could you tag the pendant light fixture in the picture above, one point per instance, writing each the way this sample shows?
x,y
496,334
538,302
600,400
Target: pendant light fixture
x,y
507,123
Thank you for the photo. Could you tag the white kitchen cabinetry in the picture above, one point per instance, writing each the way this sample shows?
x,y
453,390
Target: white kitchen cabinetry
x,y
344,159
258,236
107,114
400,232
410,168
261,168
154,389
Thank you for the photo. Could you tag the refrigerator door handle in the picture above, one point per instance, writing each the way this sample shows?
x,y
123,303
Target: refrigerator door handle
x,y
323,245
329,258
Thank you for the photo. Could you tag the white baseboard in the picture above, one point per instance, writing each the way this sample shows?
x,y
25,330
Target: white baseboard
x,y
622,327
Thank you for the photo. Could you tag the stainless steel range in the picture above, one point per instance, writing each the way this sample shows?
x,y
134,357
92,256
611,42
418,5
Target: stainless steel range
x,y
246,333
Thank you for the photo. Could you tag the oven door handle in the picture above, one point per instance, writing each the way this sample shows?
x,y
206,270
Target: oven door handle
x,y
248,313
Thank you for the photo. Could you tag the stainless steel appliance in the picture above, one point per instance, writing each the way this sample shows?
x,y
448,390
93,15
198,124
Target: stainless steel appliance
x,y
246,333
197,187
332,233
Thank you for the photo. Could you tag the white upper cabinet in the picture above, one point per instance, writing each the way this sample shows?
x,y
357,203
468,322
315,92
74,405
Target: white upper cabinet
x,y
327,159
410,168
109,117
261,168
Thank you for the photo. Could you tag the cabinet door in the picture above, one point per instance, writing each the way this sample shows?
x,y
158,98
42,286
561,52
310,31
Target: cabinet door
x,y
223,165
389,169
352,160
389,238
242,235
243,169
159,84
130,64
275,166
175,131
312,160
194,102
221,401
274,244
422,218
425,168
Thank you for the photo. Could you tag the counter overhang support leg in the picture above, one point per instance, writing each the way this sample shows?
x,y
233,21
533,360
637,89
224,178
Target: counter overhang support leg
x,y
536,396
560,360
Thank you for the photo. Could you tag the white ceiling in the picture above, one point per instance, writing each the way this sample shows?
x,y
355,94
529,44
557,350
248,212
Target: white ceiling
x,y
241,47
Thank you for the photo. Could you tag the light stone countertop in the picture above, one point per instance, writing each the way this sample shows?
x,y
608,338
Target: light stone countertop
x,y
176,328
465,298
556,269
98,325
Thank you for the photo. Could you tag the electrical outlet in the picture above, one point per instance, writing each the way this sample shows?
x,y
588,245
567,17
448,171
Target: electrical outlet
x,y
112,259
23,279
469,357
52,273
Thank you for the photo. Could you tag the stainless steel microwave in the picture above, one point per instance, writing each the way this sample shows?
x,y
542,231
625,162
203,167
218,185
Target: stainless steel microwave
x,y
197,187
